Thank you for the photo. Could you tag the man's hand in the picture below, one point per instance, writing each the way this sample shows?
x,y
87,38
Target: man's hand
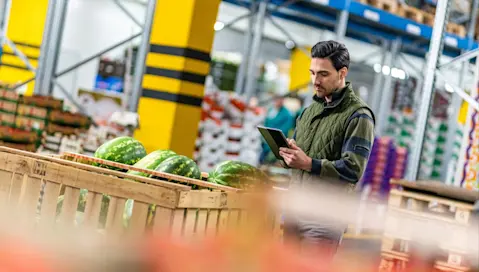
x,y
294,157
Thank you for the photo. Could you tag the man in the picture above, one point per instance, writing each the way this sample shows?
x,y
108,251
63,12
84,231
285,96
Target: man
x,y
332,141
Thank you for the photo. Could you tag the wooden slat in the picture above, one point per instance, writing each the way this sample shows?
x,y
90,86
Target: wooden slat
x,y
201,222
92,209
212,223
163,218
5,179
138,217
178,222
49,203
30,196
70,205
190,222
114,222
121,188
152,172
233,219
15,188
457,204
223,220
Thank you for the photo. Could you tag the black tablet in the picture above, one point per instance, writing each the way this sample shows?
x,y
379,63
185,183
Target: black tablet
x,y
274,138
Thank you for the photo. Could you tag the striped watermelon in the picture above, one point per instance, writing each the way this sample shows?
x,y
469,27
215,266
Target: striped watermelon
x,y
126,150
236,174
180,165
151,161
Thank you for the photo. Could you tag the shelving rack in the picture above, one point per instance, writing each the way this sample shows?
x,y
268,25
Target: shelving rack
x,y
396,34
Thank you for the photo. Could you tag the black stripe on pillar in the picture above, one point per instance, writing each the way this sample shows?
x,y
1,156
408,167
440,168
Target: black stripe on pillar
x,y
14,66
186,76
26,45
28,57
177,98
180,51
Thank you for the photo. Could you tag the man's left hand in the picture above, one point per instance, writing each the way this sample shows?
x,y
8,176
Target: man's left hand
x,y
295,157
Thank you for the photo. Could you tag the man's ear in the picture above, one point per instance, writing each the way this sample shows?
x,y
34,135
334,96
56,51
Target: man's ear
x,y
343,72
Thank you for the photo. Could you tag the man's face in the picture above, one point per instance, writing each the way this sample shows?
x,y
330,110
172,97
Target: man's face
x,y
324,76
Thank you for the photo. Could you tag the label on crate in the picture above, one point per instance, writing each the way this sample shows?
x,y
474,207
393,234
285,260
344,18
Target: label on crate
x,y
451,41
371,15
413,29
322,2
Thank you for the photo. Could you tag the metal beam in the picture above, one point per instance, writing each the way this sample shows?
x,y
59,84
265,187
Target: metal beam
x,y
379,79
464,57
7,4
435,50
285,33
235,20
255,47
76,65
342,24
141,57
240,77
19,54
128,13
50,48
411,65
387,93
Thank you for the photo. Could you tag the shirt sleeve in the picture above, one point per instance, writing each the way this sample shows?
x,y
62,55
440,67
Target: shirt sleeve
x,y
358,141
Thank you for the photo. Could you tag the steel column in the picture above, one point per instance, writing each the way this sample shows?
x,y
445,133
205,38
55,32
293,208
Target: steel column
x,y
379,79
240,77
386,97
435,50
250,86
141,57
342,24
48,66
7,4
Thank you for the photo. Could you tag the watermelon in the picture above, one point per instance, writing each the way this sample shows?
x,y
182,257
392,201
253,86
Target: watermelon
x,y
236,174
180,165
151,161
126,150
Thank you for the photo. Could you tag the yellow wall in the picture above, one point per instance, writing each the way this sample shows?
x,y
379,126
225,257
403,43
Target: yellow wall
x,y
25,29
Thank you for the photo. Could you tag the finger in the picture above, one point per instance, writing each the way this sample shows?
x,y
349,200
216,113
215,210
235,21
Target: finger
x,y
294,146
288,150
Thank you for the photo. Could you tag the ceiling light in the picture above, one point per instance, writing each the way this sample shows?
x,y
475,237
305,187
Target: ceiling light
x,y
386,70
219,25
377,68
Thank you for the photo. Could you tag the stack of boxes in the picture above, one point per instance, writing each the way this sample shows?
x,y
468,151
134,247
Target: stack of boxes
x,y
387,161
227,131
433,149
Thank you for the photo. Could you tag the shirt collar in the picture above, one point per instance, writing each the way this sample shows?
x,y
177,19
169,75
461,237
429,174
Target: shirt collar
x,y
337,96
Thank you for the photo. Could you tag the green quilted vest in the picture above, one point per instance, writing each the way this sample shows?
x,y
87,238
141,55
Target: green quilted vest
x,y
320,129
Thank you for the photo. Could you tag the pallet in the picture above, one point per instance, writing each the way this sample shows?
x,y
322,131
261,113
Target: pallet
x,y
163,207
390,6
397,261
456,29
434,208
428,18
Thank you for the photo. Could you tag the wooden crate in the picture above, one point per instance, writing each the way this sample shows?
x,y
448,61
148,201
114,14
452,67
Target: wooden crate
x,y
456,29
178,210
411,13
438,208
387,5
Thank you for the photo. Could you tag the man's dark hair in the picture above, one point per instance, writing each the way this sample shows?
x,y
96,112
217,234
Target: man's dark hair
x,y
332,50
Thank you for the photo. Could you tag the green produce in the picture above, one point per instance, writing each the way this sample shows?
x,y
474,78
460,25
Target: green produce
x,y
124,150
180,165
151,161
236,174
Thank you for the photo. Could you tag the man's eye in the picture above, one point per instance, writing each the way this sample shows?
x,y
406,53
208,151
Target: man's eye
x,y
324,74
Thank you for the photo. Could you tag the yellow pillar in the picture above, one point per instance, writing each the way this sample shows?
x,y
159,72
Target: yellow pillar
x,y
176,67
299,73
25,29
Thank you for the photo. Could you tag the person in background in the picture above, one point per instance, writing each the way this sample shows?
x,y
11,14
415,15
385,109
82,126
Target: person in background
x,y
331,144
278,117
